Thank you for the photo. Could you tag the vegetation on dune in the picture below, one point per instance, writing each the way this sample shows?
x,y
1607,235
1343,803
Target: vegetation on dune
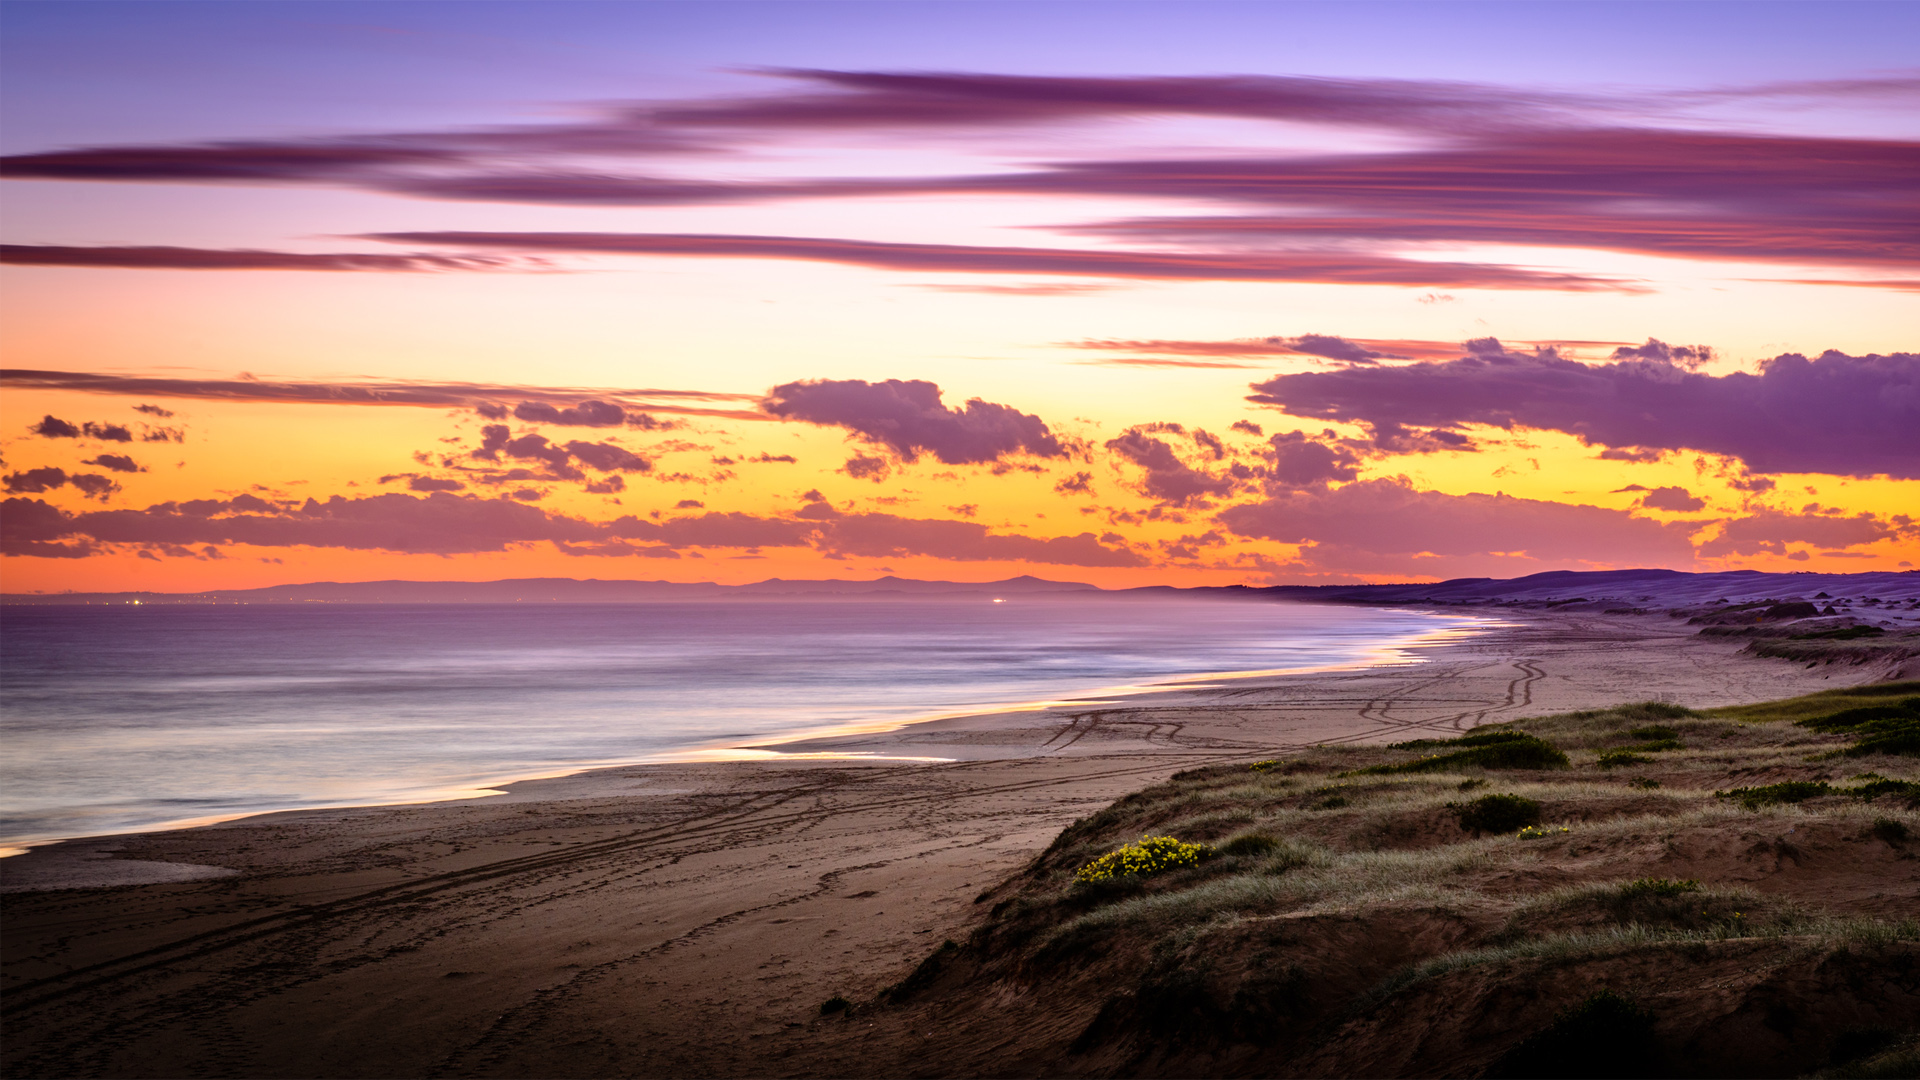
x,y
1152,855
1354,910
1496,813
1492,750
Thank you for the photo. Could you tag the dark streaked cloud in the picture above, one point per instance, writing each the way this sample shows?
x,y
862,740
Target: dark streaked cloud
x,y
1749,197
369,392
1325,346
1493,165
1769,531
917,100
908,418
885,535
1350,268
439,523
1387,522
1841,414
445,524
185,258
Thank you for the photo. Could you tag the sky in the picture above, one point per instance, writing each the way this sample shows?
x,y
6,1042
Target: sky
x,y
1126,293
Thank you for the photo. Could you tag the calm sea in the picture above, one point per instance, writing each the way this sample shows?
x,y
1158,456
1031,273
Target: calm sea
x,y
116,719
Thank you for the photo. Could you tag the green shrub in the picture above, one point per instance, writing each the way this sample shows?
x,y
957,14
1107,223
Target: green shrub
x,y
1643,782
1848,633
1496,813
1482,738
1249,844
1879,729
1655,733
1662,887
1877,785
1508,751
1604,1036
1792,791
1892,832
1152,855
1614,759
1331,802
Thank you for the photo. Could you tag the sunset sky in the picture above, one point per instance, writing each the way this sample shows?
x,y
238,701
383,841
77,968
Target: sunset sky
x,y
1123,293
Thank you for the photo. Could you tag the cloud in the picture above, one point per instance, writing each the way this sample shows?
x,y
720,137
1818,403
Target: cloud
x,y
716,529
1769,531
1840,414
919,100
497,440
886,536
1749,197
865,467
1350,350
1491,164
116,462
35,481
446,524
370,392
153,410
908,418
1080,483
182,258
588,413
607,457
1388,524
52,427
1297,461
1335,267
440,523
428,483
1676,499
1168,479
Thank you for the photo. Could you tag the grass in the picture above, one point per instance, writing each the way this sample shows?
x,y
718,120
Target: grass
x,y
1494,750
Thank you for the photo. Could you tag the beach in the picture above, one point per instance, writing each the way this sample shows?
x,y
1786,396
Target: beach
x,y
690,919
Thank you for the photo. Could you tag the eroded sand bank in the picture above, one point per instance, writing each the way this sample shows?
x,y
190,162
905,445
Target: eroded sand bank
x,y
690,919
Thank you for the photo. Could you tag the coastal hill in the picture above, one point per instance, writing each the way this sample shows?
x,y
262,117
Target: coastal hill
x,y
1646,890
1647,588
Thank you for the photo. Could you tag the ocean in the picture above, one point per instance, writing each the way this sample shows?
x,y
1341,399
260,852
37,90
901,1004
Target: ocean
x,y
125,718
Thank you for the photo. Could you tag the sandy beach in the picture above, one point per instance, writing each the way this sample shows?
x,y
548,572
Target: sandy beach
x,y
689,919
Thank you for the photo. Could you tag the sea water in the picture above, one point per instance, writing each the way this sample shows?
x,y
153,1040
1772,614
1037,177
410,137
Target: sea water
x,y
124,718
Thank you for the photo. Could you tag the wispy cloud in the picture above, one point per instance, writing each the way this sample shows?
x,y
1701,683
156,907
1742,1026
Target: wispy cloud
x,y
185,258
375,392
1351,269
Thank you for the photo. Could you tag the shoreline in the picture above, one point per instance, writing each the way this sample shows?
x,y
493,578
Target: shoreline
x,y
689,919
777,747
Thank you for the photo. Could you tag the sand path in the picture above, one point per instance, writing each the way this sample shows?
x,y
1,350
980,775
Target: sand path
x,y
685,920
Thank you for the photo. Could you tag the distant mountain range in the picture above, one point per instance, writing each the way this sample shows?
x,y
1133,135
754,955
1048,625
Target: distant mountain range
x,y
1629,588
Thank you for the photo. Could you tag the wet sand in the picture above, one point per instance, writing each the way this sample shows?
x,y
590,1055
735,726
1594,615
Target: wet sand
x,y
689,920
